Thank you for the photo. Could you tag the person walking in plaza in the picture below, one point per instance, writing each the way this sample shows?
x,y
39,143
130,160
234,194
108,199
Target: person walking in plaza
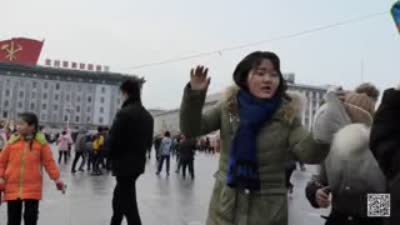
x,y
98,152
385,146
187,148
130,136
20,171
165,153
64,143
259,123
79,150
157,143
350,172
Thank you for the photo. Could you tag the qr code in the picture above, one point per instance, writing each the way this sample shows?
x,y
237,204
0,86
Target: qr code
x,y
378,205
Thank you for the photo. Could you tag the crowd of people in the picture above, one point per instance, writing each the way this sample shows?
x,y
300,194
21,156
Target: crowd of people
x,y
261,140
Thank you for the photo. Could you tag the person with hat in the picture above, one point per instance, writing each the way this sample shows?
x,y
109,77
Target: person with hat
x,y
260,126
350,172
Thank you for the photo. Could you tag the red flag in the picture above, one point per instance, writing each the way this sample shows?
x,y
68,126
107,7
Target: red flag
x,y
20,51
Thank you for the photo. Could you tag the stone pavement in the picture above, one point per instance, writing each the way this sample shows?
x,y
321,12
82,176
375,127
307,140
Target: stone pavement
x,y
162,200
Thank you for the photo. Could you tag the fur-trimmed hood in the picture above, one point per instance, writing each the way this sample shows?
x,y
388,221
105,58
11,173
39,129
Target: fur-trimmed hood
x,y
291,108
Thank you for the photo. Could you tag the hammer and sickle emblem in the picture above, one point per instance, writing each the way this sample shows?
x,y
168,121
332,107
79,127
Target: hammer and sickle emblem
x,y
11,50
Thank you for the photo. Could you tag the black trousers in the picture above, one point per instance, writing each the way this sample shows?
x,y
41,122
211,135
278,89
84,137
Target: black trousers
x,y
289,169
124,202
77,156
31,212
188,164
60,156
160,165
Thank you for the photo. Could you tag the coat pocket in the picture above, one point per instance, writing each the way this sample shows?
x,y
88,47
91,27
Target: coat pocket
x,y
227,202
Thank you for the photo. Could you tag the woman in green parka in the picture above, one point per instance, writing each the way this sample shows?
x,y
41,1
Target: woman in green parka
x,y
260,128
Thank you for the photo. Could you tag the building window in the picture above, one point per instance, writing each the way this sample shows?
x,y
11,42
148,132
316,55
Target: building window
x,y
56,97
78,99
32,106
78,109
6,103
67,98
21,94
55,107
57,86
101,120
102,100
89,99
103,90
5,114
33,94
77,119
19,104
43,117
101,110
34,84
7,93
88,110
46,85
44,96
44,106
88,119
65,118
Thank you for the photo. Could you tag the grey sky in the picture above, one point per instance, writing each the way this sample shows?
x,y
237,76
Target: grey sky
x,y
126,33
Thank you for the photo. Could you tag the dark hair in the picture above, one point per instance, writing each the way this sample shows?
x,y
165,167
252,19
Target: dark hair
x,y
167,134
64,132
32,120
253,60
132,88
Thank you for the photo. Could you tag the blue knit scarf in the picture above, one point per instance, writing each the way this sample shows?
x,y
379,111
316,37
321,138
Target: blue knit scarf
x,y
243,163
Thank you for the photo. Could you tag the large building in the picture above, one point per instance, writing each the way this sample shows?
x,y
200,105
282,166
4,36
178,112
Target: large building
x,y
60,96
169,120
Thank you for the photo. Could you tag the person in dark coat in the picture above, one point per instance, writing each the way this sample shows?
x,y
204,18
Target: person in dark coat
x,y
187,148
385,146
157,143
130,136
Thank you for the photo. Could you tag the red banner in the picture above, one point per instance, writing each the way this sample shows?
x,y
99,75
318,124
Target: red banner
x,y
20,51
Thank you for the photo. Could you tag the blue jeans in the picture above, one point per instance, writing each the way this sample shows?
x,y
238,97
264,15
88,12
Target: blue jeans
x,y
160,164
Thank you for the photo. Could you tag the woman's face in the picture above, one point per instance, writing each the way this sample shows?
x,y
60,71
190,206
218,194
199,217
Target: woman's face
x,y
264,80
23,128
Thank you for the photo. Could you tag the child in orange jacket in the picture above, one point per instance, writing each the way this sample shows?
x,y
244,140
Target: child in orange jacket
x,y
21,164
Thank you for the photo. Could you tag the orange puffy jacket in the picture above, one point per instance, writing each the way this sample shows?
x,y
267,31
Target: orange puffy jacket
x,y
21,167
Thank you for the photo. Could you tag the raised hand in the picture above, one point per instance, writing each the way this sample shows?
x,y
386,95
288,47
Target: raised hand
x,y
199,80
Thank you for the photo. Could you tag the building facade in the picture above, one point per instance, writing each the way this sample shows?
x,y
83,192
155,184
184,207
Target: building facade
x,y
60,97
169,120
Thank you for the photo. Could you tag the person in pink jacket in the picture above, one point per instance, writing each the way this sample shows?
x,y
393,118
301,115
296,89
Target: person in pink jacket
x,y
64,141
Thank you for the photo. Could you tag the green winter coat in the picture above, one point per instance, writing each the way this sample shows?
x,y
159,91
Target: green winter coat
x,y
279,136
